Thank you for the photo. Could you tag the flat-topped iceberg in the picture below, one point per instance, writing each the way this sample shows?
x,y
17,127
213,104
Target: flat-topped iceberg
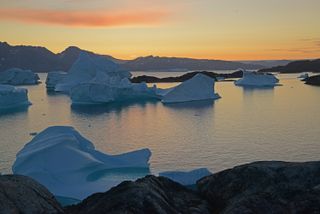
x,y
92,68
186,178
11,97
70,166
256,79
53,78
200,87
17,76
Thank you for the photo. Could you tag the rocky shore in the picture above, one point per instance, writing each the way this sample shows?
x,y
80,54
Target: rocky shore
x,y
184,77
259,187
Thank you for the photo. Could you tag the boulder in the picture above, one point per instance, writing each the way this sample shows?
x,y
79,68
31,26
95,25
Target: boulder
x,y
21,194
264,187
147,195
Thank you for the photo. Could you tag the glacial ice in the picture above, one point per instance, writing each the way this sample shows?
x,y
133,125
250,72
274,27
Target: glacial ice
x,y
186,178
17,76
200,87
70,166
255,79
98,93
303,76
11,97
91,68
53,78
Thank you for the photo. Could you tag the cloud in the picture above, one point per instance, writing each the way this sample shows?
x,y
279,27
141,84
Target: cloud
x,y
85,18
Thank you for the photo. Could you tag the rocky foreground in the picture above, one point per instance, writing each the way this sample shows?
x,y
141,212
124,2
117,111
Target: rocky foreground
x,y
260,187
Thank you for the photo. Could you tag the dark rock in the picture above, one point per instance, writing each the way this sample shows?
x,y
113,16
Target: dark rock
x,y
296,67
147,195
313,80
264,187
21,194
184,77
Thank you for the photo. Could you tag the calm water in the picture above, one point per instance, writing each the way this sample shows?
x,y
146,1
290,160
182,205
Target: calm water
x,y
243,126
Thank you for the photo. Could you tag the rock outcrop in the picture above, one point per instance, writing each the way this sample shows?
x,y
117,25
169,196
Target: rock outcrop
x,y
313,80
147,195
264,187
21,194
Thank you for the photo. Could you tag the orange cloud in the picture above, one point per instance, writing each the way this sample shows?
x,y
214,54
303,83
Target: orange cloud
x,y
85,18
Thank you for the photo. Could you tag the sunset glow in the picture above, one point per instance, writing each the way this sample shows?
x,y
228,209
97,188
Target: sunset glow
x,y
214,29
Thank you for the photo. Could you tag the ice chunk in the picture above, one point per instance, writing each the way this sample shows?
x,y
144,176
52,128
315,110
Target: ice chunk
x,y
54,78
11,97
98,93
303,76
92,68
255,79
186,178
200,87
17,76
70,166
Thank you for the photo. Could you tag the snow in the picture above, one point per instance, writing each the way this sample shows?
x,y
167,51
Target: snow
x,y
11,97
70,166
255,79
92,68
186,178
53,78
200,87
17,76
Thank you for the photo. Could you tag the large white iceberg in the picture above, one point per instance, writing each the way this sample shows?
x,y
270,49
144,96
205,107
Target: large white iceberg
x,y
17,76
53,78
200,87
256,79
98,93
69,166
186,178
11,97
91,68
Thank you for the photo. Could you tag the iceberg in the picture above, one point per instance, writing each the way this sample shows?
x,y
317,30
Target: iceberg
x,y
91,68
255,79
100,93
200,87
53,78
17,76
69,165
11,97
186,178
303,76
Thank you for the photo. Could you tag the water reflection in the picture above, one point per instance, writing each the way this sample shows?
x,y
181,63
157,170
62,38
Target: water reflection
x,y
116,107
14,111
203,104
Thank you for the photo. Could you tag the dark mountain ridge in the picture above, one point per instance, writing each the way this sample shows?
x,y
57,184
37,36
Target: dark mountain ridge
x,y
40,59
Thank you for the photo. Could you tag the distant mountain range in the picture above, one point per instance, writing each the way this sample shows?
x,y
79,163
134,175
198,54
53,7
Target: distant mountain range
x,y
296,67
40,59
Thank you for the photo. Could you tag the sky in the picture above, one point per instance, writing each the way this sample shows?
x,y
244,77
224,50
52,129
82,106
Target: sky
x,y
126,29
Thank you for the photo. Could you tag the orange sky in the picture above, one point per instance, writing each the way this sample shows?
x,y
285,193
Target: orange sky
x,y
214,29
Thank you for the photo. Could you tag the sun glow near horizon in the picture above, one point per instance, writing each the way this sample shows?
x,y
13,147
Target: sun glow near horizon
x,y
210,29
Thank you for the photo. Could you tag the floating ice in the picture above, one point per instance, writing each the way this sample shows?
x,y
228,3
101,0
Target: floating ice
x,y
11,97
69,166
255,79
92,68
303,76
17,76
186,178
53,78
200,87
